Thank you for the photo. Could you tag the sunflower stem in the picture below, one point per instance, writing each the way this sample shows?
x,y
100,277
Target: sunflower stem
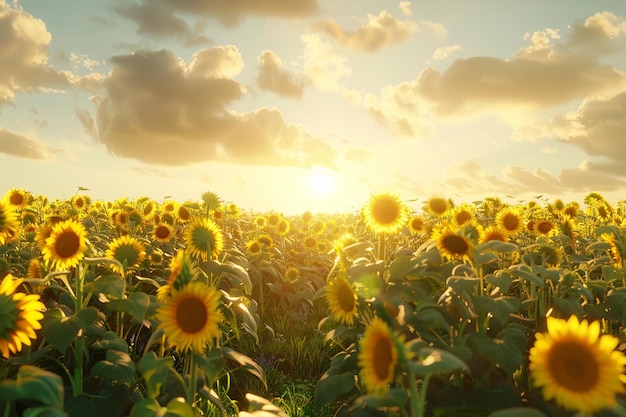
x,y
79,344
191,387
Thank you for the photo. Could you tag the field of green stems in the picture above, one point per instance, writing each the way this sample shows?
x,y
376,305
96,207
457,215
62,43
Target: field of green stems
x,y
198,308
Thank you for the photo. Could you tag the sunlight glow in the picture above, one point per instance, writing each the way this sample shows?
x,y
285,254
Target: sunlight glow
x,y
321,181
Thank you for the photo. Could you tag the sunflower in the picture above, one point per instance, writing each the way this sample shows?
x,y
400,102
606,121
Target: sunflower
x,y
544,227
169,206
129,251
273,219
260,221
417,224
509,221
34,269
307,217
162,233
204,239
8,222
437,206
190,316
492,233
385,213
149,209
318,227
283,227
310,243
66,245
17,198
576,366
463,214
377,357
182,214
19,316
342,300
254,247
292,275
266,241
452,244
211,200
181,273
43,233
81,201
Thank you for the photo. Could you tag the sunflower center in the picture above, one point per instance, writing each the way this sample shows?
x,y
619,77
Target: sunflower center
x,y
544,227
385,211
510,221
455,244
191,315
417,224
345,297
16,199
67,244
463,217
162,232
382,355
573,366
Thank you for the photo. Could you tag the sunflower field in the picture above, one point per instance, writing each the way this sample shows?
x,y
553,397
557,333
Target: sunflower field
x,y
142,308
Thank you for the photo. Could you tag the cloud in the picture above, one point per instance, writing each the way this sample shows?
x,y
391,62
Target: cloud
x,y
161,18
15,144
159,110
274,77
24,59
322,64
547,73
598,127
445,51
379,31
156,20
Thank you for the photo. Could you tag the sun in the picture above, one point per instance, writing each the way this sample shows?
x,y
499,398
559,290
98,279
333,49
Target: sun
x,y
321,181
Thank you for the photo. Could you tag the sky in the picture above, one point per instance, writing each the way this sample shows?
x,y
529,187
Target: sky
x,y
296,105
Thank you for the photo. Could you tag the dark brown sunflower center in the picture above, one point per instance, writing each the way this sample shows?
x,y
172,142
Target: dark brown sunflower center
x,y
510,221
544,227
67,244
573,366
417,224
495,236
385,211
345,297
382,358
455,244
183,213
162,232
16,199
463,217
310,242
191,315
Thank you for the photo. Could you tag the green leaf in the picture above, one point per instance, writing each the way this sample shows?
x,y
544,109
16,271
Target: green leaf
x,y
60,332
179,408
32,382
261,407
154,370
395,397
135,305
44,412
432,360
505,350
113,286
462,284
110,341
518,412
523,272
112,401
246,362
86,317
148,407
502,280
212,363
118,366
500,308
401,266
332,386
498,246
235,273
430,318
249,321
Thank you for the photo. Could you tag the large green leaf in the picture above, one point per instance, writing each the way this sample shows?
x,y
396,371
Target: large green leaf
x,y
60,331
113,286
332,386
245,362
118,366
32,382
148,407
518,412
500,308
212,363
135,305
462,284
110,341
395,397
112,401
154,371
505,350
432,360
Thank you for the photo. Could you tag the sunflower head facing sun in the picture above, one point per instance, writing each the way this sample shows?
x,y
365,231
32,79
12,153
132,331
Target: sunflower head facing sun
x,y
204,239
342,300
379,353
385,213
66,244
190,316
576,366
20,315
451,244
129,251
